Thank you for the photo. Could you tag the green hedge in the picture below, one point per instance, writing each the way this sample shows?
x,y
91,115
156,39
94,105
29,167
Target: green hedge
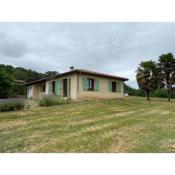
x,y
52,100
11,106
162,93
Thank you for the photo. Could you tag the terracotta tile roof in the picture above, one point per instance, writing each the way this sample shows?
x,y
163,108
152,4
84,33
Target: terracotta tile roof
x,y
101,74
83,71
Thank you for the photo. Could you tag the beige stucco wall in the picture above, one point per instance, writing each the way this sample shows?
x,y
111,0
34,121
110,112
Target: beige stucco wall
x,y
103,89
36,91
77,91
73,85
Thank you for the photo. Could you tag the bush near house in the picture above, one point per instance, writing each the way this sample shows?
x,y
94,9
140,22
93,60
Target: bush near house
x,y
52,100
11,106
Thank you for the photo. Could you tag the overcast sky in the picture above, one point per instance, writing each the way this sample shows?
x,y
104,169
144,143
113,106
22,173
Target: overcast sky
x,y
114,48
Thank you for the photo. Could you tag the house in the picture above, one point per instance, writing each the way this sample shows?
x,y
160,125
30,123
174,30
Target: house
x,y
78,84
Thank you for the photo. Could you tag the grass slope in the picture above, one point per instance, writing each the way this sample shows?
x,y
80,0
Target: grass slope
x,y
128,125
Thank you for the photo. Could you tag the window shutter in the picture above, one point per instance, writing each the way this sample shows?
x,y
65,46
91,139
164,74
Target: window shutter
x,y
110,86
58,87
85,83
49,87
118,86
97,85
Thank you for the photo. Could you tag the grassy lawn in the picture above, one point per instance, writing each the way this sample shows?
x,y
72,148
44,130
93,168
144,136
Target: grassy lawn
x,y
128,125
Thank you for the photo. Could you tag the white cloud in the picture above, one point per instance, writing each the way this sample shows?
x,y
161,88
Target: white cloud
x,y
115,48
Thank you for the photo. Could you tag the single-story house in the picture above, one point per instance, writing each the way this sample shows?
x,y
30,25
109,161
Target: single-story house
x,y
78,84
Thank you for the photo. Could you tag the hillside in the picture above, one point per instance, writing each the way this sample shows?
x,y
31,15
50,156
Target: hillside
x,y
117,125
20,73
15,76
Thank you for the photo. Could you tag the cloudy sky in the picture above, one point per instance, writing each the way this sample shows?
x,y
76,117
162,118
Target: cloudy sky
x,y
115,48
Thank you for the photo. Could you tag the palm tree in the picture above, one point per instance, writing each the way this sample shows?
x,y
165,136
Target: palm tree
x,y
167,70
148,77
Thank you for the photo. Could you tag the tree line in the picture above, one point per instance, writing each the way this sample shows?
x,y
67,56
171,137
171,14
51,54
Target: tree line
x,y
159,93
155,75
9,75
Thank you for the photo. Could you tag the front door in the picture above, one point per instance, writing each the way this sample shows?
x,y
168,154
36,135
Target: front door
x,y
64,87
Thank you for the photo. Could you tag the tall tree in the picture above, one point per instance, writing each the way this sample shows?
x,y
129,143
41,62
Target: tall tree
x,y
5,84
147,77
167,71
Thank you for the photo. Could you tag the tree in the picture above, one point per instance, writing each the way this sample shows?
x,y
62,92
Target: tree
x,y
51,73
5,84
148,77
19,73
132,91
167,71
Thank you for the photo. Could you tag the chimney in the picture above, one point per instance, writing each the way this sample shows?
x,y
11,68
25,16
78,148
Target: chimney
x,y
71,68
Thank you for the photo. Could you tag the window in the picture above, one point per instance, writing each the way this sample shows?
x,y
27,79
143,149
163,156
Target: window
x,y
53,86
44,88
90,84
65,85
113,86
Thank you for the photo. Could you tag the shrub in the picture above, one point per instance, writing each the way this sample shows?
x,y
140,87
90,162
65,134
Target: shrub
x,y
52,100
11,106
133,92
160,93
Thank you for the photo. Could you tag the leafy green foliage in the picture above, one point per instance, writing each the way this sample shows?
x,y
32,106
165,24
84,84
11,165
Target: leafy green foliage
x,y
11,106
167,71
148,76
160,93
52,100
6,81
157,77
18,73
17,90
133,92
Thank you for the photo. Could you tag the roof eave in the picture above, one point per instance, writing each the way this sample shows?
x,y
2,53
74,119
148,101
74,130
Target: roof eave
x,y
75,71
